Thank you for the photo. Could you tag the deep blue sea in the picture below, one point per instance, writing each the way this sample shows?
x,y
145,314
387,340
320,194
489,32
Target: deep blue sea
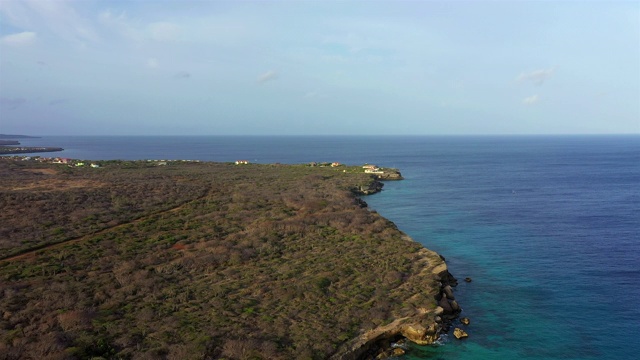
x,y
548,227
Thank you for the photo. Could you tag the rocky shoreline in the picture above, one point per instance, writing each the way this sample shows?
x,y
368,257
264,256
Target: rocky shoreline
x,y
427,324
389,174
423,328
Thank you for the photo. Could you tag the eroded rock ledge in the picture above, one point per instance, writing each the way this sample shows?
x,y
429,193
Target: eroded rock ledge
x,y
424,327
389,174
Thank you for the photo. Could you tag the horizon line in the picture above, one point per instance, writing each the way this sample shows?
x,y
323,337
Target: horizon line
x,y
333,135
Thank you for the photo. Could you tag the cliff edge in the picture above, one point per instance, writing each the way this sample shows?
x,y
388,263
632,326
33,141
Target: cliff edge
x,y
424,326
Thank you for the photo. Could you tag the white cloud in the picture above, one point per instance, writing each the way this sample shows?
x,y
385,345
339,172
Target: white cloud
x,y
16,14
164,31
48,17
537,76
530,100
20,39
269,75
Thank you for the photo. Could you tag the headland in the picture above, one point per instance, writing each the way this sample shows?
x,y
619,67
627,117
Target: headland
x,y
9,146
193,259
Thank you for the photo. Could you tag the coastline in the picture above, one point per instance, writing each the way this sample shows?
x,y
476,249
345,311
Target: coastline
x,y
459,195
7,150
9,145
424,327
378,275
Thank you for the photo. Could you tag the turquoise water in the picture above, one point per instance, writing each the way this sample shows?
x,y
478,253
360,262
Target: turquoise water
x,y
547,227
548,230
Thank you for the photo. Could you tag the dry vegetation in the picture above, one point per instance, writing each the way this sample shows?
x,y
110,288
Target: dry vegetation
x,y
195,261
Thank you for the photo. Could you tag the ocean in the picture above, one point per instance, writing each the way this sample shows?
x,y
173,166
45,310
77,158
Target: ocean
x,y
547,227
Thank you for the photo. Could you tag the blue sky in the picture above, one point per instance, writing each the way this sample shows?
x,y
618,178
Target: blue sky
x,y
307,67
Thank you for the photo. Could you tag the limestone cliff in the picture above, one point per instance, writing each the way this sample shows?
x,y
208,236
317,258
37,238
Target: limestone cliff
x,y
424,326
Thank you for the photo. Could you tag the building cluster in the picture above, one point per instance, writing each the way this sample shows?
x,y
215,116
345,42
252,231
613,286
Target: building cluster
x,y
333,164
55,160
372,169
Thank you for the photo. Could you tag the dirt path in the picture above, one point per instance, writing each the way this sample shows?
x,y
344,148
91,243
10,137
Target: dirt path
x,y
31,253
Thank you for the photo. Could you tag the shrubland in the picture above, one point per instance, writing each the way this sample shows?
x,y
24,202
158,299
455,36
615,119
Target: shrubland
x,y
196,261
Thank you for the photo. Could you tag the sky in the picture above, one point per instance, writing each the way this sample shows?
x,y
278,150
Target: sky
x,y
319,67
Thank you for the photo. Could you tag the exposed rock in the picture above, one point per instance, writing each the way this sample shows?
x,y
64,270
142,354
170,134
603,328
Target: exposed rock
x,y
459,333
447,278
465,321
420,334
389,174
399,343
389,353
455,306
447,290
445,305
423,327
371,188
467,279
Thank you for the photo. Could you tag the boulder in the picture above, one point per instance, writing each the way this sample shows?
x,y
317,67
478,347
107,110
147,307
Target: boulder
x,y
447,290
398,352
419,334
445,305
455,306
459,333
467,279
465,321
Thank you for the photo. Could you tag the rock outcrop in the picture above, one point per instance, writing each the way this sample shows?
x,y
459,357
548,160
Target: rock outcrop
x,y
423,328
368,189
459,333
389,174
